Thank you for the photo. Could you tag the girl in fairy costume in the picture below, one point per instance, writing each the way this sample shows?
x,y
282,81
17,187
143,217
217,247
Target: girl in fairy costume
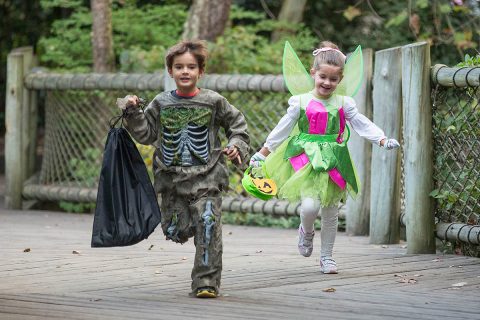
x,y
306,154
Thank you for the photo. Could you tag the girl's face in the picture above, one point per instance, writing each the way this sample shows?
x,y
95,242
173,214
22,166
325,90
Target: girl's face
x,y
186,72
326,78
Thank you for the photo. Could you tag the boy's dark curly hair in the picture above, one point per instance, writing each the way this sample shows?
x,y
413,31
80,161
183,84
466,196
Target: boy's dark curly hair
x,y
196,47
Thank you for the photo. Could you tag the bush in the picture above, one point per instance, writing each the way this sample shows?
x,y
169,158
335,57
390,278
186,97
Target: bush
x,y
142,34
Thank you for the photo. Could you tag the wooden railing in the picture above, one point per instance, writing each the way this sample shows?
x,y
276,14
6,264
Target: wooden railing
x,y
400,182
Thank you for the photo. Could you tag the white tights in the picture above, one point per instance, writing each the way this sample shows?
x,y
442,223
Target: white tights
x,y
309,212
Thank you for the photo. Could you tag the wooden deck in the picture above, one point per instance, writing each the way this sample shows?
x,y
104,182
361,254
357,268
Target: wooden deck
x,y
61,277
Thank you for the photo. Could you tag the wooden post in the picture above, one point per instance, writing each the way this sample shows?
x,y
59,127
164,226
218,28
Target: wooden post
x,y
32,124
418,155
14,155
387,114
168,82
358,210
29,117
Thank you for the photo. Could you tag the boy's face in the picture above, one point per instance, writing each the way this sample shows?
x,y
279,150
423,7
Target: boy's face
x,y
186,72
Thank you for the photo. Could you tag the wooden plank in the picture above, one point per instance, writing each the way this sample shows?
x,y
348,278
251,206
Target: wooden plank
x,y
13,136
32,117
418,161
26,115
358,210
261,279
386,172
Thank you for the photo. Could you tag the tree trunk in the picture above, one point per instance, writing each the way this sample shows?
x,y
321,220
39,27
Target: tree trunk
x,y
207,19
102,39
292,12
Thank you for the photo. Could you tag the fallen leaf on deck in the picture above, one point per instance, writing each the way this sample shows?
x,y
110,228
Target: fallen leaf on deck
x,y
459,284
151,246
26,250
259,251
75,252
230,232
184,258
329,290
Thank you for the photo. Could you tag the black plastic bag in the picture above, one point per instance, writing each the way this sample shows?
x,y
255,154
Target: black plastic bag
x,y
127,211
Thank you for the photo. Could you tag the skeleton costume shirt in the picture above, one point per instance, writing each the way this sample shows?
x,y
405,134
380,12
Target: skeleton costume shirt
x,y
190,169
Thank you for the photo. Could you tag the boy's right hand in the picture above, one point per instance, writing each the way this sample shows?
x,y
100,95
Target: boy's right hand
x,y
256,160
127,102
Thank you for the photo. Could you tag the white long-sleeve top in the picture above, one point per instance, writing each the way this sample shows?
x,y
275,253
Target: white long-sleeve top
x,y
361,124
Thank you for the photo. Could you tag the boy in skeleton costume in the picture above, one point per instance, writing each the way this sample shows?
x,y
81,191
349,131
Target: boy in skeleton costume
x,y
189,165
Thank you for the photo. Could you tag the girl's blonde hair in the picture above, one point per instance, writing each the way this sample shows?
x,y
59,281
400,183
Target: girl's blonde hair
x,y
331,57
198,48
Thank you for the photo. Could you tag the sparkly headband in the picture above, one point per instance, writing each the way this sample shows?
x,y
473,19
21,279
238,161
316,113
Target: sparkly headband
x,y
317,51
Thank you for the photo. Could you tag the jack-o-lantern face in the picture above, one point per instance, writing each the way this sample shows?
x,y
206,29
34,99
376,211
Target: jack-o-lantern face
x,y
267,186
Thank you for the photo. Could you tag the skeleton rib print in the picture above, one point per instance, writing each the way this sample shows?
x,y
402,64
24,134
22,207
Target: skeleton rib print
x,y
187,147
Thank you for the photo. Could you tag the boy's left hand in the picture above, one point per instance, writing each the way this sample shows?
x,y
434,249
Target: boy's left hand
x,y
232,154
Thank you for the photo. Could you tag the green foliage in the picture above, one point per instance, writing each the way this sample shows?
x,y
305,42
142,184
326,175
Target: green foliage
x,y
143,34
450,29
140,35
245,47
470,61
77,207
259,220
65,4
457,161
84,172
82,169
69,48
262,220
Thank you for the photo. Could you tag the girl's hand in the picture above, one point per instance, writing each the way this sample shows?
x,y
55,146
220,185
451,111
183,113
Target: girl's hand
x,y
233,154
127,102
389,144
256,160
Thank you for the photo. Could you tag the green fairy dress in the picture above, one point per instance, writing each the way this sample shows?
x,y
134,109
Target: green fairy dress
x,y
314,160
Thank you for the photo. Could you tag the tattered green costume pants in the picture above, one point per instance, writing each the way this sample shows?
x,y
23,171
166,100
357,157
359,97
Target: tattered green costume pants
x,y
197,216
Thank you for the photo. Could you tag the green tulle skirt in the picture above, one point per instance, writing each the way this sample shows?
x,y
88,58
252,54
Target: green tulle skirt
x,y
305,183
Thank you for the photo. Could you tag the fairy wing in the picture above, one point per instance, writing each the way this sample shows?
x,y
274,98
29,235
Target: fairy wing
x,y
352,74
297,79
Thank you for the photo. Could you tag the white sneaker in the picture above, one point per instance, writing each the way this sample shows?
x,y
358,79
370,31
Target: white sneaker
x,y
328,265
305,242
